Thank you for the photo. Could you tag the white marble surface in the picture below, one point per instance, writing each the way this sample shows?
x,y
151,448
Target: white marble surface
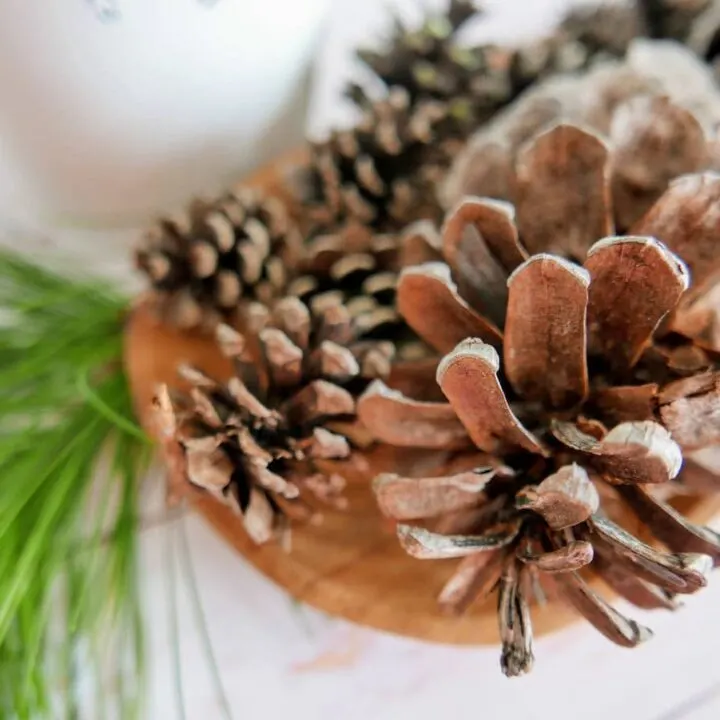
x,y
278,659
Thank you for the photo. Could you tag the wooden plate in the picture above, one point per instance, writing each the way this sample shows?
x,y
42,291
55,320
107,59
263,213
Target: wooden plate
x,y
351,566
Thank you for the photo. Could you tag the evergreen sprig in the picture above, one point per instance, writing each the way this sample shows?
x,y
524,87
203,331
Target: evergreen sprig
x,y
68,532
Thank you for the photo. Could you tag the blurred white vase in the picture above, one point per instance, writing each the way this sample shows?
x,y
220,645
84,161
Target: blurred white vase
x,y
116,108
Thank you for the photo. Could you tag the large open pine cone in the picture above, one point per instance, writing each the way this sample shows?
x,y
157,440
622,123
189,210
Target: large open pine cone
x,y
203,262
262,441
583,417
651,142
657,125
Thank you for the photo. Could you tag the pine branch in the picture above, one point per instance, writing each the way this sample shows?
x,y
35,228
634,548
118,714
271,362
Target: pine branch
x,y
68,535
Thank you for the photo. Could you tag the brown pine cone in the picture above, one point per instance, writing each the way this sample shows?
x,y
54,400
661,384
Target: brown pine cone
x,y
430,64
360,269
204,262
546,372
425,61
385,175
382,172
650,140
272,441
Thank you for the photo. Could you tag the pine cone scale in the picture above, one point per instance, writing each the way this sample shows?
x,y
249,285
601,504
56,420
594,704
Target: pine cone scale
x,y
599,613
545,335
429,302
468,378
668,526
563,201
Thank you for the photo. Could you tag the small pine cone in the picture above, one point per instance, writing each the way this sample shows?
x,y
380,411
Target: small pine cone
x,y
360,269
382,172
272,441
551,337
430,64
425,61
204,262
672,19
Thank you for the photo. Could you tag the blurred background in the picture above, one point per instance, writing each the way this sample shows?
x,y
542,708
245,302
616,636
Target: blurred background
x,y
113,111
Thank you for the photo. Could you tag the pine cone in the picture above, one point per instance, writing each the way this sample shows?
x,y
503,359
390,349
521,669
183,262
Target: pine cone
x,y
475,82
577,424
360,269
426,61
385,172
651,140
382,172
385,175
204,262
430,64
262,442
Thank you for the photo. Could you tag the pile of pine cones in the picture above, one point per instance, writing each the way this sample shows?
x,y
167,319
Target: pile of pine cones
x,y
566,306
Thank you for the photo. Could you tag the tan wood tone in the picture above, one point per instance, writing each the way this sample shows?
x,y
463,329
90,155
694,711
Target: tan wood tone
x,y
351,566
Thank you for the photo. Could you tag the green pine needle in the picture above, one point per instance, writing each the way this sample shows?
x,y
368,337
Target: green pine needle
x,y
68,534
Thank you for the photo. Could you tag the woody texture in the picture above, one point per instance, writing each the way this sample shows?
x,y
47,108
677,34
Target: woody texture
x,y
567,365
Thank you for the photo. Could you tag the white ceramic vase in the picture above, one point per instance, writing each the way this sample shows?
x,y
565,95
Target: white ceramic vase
x,y
113,109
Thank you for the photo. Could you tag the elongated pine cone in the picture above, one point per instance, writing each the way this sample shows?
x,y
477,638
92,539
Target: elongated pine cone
x,y
561,366
204,262
264,441
430,64
383,171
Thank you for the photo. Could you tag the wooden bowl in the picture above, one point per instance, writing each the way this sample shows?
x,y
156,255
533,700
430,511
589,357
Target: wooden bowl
x,y
351,565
